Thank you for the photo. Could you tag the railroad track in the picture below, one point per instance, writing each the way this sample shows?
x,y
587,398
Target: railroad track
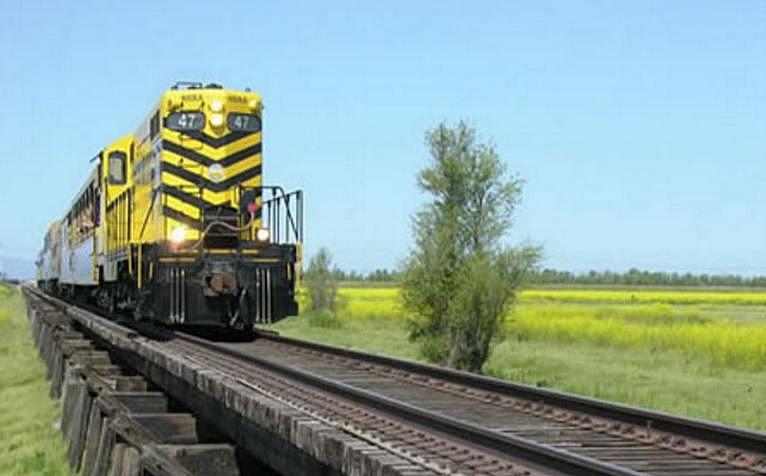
x,y
603,437
446,422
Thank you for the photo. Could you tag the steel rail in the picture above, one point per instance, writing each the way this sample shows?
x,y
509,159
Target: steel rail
x,y
508,445
706,431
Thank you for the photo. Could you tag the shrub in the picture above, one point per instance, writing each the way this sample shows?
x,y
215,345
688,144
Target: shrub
x,y
320,282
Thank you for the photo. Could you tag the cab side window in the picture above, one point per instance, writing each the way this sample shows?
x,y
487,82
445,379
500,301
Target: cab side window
x,y
117,168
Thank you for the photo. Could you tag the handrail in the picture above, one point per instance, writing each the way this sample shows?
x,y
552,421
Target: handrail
x,y
293,213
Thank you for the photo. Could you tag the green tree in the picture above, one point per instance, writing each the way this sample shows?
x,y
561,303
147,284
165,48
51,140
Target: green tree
x,y
321,283
460,280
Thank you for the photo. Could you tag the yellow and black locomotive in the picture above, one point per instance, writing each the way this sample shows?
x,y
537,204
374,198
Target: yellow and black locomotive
x,y
174,223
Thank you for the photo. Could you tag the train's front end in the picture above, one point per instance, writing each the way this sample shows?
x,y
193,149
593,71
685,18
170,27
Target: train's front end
x,y
229,246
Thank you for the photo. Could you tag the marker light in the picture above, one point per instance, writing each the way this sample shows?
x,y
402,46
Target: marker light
x,y
216,120
216,105
262,234
178,235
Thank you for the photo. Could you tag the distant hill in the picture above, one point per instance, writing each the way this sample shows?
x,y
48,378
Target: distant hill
x,y
17,268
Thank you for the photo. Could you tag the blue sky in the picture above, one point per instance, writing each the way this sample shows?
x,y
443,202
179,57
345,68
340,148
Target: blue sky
x,y
640,127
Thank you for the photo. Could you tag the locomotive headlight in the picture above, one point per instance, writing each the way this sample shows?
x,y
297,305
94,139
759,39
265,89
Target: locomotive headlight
x,y
178,235
216,106
216,120
262,234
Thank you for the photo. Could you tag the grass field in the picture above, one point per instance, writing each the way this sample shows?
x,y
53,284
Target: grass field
x,y
696,352
30,442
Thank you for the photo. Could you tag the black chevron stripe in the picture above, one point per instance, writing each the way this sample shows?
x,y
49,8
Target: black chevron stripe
x,y
187,154
217,142
181,217
207,161
208,184
184,174
192,200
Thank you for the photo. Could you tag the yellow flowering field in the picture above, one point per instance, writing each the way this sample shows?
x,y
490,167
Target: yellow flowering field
x,y
689,330
385,296
757,298
698,323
